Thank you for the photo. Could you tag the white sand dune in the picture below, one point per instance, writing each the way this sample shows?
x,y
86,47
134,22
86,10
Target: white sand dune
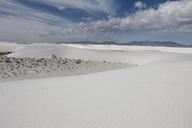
x,y
5,46
133,48
147,55
155,94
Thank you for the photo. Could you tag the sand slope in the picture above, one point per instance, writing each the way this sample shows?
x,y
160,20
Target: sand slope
x,y
114,54
155,94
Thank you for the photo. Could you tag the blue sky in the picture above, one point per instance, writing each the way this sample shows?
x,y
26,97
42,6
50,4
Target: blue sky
x,y
96,20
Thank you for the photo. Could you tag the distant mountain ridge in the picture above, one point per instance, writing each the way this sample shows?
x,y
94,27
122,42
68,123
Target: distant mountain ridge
x,y
133,43
157,43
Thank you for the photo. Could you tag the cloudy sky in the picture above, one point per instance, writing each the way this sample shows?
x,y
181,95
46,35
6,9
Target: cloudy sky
x,y
96,20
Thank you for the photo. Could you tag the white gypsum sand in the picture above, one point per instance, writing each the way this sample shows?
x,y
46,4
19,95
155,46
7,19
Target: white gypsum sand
x,y
154,94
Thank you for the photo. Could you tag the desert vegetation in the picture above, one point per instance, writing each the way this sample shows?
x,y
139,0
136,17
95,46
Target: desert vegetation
x,y
2,53
14,67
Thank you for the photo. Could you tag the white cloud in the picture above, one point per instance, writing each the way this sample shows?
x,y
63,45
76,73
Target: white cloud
x,y
168,14
25,24
22,23
106,6
140,5
15,9
16,29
